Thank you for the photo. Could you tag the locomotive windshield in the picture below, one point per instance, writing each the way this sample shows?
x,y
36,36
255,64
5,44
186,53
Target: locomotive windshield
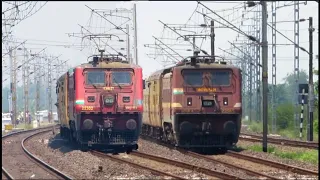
x,y
96,77
192,78
121,78
220,78
216,78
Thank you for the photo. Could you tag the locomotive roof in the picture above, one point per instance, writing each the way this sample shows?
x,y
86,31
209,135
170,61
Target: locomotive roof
x,y
158,73
103,65
108,65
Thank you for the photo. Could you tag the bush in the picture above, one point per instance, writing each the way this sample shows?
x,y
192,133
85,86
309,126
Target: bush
x,y
285,116
316,126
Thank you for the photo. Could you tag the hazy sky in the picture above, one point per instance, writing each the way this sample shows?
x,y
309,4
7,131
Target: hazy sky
x,y
55,19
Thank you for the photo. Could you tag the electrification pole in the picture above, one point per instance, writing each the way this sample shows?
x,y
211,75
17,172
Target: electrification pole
x,y
14,89
11,88
264,74
311,95
49,91
36,73
24,80
135,34
27,90
128,44
212,40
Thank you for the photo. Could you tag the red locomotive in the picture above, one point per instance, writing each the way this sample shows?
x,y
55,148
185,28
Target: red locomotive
x,y
100,103
194,104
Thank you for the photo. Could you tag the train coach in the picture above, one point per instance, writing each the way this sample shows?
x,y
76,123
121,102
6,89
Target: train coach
x,y
194,104
100,104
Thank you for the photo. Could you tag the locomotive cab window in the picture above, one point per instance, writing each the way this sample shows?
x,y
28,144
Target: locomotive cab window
x,y
96,78
121,78
192,78
220,78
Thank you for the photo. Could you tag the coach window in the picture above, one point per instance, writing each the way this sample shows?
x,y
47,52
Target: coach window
x,y
96,78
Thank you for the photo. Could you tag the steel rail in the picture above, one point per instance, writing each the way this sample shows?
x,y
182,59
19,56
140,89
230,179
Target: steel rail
x,y
41,163
213,173
280,141
103,155
45,129
273,164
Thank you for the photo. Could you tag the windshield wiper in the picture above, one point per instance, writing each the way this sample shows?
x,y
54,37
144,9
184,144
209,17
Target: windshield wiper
x,y
114,80
92,83
188,82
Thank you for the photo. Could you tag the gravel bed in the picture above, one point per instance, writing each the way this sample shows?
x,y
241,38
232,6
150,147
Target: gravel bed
x,y
81,165
158,150
272,157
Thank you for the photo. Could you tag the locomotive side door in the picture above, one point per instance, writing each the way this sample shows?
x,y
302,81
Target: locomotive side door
x,y
166,96
149,101
71,96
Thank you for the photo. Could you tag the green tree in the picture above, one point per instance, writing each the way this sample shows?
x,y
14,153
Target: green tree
x,y
291,81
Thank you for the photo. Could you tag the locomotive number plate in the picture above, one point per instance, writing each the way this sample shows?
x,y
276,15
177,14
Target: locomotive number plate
x,y
87,108
207,103
108,88
203,89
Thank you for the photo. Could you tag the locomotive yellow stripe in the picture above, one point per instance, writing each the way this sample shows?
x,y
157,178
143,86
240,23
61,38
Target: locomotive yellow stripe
x,y
173,105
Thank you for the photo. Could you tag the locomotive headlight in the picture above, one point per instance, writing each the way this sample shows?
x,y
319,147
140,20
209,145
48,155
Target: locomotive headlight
x,y
225,101
131,124
109,100
189,101
87,124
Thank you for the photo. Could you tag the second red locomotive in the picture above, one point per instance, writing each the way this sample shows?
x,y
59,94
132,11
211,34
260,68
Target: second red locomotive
x,y
194,104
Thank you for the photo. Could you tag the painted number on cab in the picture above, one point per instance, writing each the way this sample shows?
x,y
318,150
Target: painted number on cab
x,y
108,88
203,89
87,108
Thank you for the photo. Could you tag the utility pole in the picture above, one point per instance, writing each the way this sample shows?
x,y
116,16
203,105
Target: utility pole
x,y
36,82
128,44
194,43
11,87
274,67
264,74
14,89
212,40
296,49
135,33
24,69
49,91
27,90
311,95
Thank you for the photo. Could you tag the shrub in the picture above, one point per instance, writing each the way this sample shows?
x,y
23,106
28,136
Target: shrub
x,y
316,126
285,116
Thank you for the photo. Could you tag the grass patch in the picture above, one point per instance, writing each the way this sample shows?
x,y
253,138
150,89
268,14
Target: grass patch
x,y
310,156
257,127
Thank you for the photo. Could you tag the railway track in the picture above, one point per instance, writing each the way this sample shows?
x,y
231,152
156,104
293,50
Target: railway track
x,y
120,160
170,162
19,163
272,164
282,166
286,142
